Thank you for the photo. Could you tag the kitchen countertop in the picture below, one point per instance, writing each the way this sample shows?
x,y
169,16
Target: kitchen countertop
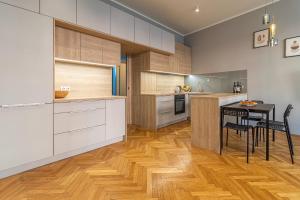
x,y
219,95
173,93
66,100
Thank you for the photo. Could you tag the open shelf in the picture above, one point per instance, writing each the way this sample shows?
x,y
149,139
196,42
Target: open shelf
x,y
83,63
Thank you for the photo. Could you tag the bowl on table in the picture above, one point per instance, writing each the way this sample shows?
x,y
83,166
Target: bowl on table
x,y
59,94
248,103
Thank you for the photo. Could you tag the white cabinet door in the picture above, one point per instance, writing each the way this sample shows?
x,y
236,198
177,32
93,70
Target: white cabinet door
x,y
60,9
26,55
33,5
155,37
94,14
141,32
115,118
122,24
26,135
168,42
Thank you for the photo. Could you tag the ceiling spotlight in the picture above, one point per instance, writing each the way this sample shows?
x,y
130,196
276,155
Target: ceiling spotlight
x,y
197,9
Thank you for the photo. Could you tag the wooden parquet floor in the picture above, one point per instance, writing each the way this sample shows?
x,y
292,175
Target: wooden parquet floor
x,y
163,166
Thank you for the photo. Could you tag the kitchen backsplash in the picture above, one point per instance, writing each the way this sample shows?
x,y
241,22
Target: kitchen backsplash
x,y
217,82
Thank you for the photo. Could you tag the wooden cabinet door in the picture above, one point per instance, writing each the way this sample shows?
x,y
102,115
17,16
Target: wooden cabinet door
x,y
122,24
94,14
67,44
91,48
33,5
26,135
188,60
26,56
155,37
60,9
111,52
159,62
168,42
115,119
141,32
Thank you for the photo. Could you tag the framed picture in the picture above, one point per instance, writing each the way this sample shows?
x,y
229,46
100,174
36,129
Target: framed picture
x,y
292,47
261,38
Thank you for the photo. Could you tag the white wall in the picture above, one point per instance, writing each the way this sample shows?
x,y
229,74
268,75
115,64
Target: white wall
x,y
271,77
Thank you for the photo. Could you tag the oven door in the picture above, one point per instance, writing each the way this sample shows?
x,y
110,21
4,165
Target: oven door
x,y
179,104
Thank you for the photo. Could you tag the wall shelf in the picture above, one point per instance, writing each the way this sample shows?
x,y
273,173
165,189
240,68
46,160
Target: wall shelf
x,y
82,63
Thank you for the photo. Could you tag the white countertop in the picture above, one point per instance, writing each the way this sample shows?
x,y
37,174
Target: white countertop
x,y
65,100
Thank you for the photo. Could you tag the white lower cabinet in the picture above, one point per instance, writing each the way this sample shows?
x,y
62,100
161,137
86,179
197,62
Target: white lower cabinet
x,y
115,119
77,139
26,135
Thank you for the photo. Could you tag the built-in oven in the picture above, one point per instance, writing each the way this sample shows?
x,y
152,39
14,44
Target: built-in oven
x,y
179,101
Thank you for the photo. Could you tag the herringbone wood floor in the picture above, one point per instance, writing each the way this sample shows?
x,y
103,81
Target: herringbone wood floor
x,y
162,166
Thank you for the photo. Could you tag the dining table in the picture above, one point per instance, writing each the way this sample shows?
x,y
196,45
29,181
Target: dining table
x,y
265,109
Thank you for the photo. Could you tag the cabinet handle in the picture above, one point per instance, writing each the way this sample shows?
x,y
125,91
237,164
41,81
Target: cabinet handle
x,y
79,130
80,111
24,105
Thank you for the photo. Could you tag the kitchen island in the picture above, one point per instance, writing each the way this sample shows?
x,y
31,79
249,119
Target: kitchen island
x,y
205,118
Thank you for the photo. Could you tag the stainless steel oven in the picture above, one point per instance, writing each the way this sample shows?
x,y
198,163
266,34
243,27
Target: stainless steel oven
x,y
179,101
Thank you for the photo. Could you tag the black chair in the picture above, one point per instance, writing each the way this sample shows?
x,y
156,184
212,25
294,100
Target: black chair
x,y
282,127
238,113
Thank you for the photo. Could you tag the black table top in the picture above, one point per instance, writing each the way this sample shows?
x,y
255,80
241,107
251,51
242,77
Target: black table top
x,y
259,108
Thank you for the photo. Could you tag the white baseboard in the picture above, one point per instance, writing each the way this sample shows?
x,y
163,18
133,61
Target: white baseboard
x,y
39,163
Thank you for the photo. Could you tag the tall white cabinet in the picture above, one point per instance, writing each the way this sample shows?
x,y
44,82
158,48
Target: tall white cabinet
x,y
155,37
26,87
141,32
32,5
61,9
94,14
115,119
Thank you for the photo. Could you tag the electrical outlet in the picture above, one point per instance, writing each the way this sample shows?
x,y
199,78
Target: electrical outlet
x,y
65,88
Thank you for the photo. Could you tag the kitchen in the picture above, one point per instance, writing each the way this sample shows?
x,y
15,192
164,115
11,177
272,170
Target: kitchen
x,y
99,90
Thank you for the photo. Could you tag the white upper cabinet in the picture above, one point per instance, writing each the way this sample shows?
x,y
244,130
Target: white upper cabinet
x,y
94,14
141,32
60,9
122,24
168,42
32,5
26,56
155,37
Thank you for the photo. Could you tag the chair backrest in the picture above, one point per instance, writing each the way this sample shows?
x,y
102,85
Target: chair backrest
x,y
287,112
237,112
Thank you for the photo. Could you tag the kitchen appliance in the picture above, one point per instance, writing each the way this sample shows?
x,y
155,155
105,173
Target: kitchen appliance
x,y
178,89
237,87
179,101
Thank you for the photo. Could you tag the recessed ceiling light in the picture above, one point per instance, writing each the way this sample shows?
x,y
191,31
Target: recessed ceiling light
x,y
197,9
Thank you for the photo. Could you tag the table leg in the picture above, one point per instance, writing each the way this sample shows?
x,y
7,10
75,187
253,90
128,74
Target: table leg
x,y
273,120
221,130
267,136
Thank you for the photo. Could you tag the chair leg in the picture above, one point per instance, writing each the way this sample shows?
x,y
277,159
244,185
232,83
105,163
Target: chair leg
x,y
253,140
260,134
290,145
263,134
257,136
273,136
247,146
227,137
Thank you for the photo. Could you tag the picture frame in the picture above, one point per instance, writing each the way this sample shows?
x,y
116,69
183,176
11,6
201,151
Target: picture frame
x,y
292,47
261,38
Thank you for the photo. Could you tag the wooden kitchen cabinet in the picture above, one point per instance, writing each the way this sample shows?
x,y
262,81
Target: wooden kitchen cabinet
x,y
67,44
151,61
94,14
111,52
182,59
91,48
33,5
60,9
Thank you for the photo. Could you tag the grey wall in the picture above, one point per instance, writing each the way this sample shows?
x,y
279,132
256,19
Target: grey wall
x,y
179,38
217,82
271,77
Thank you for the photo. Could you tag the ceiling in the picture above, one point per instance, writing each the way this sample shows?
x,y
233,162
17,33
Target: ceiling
x,y
179,15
